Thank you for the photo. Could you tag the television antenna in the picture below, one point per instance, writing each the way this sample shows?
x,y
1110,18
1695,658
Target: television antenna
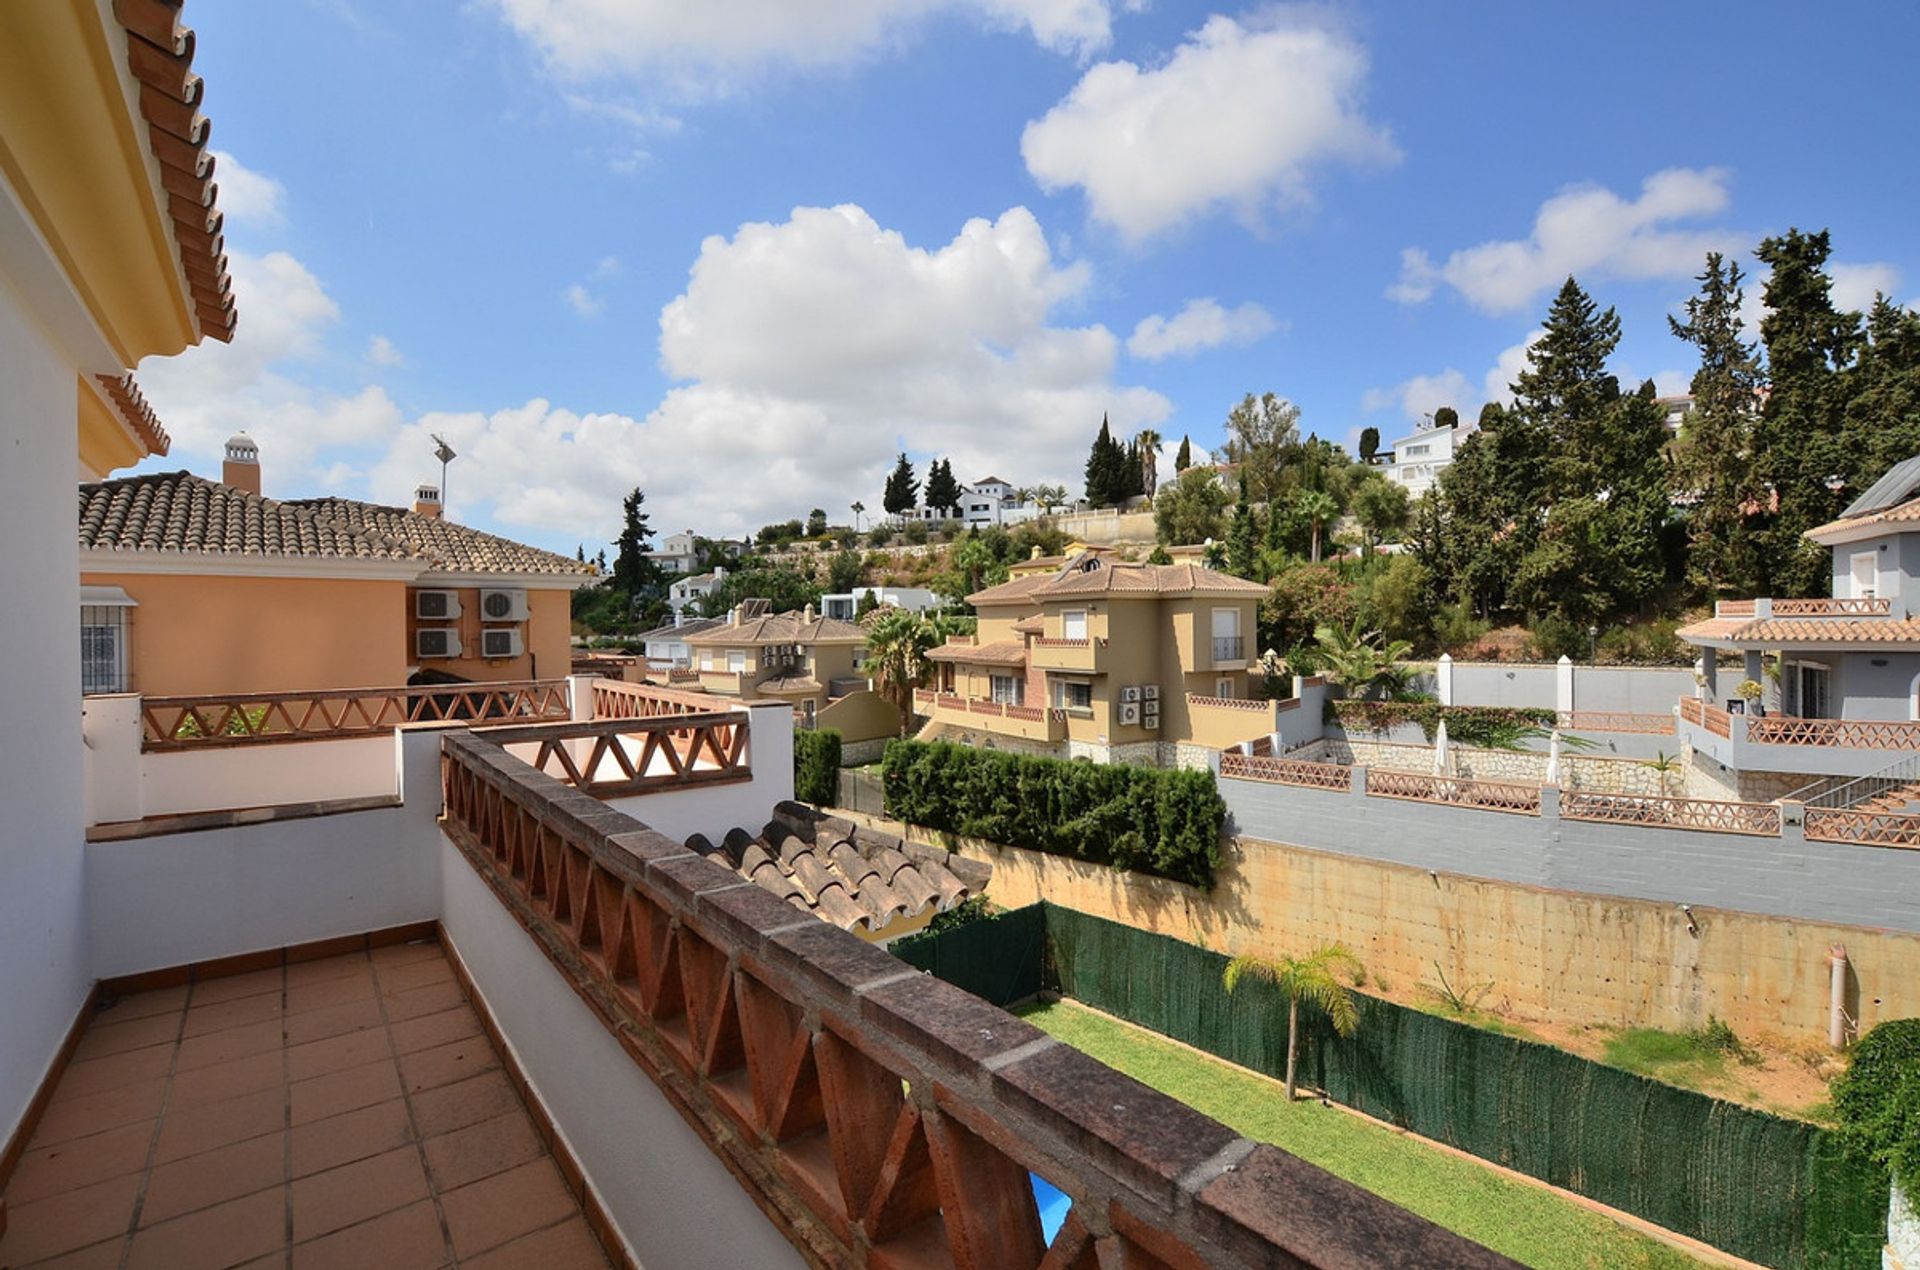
x,y
445,453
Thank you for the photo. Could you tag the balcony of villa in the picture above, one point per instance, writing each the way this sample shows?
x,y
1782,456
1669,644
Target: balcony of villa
x,y
1226,652
1785,743
1770,608
1029,723
513,1015
1086,655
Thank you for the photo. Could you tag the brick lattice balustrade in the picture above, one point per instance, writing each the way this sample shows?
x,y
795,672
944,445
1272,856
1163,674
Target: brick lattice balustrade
x,y
250,718
877,1115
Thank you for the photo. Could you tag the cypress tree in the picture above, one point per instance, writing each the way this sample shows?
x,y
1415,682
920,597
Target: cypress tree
x,y
943,492
1369,444
1183,460
1883,390
1713,460
634,572
1106,469
902,489
1241,547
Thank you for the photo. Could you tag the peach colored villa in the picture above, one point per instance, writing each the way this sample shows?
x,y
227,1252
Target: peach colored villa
x,y
1101,657
195,586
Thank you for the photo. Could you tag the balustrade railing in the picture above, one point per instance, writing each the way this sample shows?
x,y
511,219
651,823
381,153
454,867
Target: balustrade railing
x,y
1287,771
1859,607
1708,814
1229,648
1851,734
252,718
1869,828
1617,721
1250,704
618,699
1482,795
876,1114
617,758
1702,715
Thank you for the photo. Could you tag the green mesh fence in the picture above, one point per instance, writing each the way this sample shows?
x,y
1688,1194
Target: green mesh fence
x,y
1776,1191
999,957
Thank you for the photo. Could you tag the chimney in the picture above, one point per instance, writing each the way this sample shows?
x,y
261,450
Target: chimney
x,y
242,467
733,616
679,618
426,500
806,615
1035,553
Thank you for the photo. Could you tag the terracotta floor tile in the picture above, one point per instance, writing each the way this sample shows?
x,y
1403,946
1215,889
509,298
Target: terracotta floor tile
x,y
414,974
318,996
408,1239
203,1019
567,1246
407,954
415,1002
326,1202
96,1113
224,1235
430,1069
222,1174
141,1005
188,1131
430,1030
505,1206
222,1081
351,1136
224,1047
100,1256
80,1162
336,1053
301,973
70,1220
483,1149
98,1075
348,1090
232,987
103,1037
317,1025
477,1098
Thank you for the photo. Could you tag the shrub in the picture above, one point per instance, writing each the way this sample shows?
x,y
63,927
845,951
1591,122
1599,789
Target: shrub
x,y
1161,822
1555,637
816,767
1878,1099
1493,727
1456,628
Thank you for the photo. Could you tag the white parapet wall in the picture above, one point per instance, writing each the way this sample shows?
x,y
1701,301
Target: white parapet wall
x,y
713,809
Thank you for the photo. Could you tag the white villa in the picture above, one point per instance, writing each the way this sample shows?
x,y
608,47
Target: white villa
x,y
1419,459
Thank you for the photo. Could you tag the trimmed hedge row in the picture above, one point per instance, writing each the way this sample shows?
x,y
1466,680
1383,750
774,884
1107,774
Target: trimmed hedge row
x,y
816,767
1167,823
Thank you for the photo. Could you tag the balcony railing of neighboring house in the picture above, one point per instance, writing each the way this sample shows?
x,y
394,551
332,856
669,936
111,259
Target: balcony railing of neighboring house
x,y
1617,721
248,718
1860,825
1702,715
618,758
1853,734
1285,771
1250,705
872,1112
1709,814
1034,723
617,699
1521,800
1060,653
1229,648
1864,606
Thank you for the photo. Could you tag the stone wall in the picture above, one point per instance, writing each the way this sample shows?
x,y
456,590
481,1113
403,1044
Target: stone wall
x,y
1554,955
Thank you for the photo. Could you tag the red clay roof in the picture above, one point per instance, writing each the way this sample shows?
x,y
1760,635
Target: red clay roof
x,y
134,411
1903,513
1004,652
1804,630
160,55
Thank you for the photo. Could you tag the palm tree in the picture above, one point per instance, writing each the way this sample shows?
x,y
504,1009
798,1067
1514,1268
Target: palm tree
x,y
858,507
1149,442
1667,765
897,647
1314,977
1316,507
1363,663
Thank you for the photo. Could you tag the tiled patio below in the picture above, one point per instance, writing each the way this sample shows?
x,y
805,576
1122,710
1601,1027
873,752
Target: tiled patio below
x,y
346,1112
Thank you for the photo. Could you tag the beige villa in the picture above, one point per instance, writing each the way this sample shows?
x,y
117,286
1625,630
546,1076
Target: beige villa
x,y
800,658
1103,658
193,586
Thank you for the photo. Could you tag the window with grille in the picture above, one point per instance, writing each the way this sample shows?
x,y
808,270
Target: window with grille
x,y
103,648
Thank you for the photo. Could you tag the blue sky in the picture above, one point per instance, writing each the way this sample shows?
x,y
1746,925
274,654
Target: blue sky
x,y
740,253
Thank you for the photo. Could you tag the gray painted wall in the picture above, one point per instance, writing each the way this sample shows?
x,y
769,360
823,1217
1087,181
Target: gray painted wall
x,y
1898,566
1782,877
1632,689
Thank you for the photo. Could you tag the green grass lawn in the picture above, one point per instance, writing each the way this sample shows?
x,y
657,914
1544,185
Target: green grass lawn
x,y
1524,1222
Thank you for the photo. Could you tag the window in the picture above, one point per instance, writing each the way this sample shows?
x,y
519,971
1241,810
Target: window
x,y
1006,690
736,660
1074,695
1073,624
103,648
706,659
1866,576
1227,643
1223,688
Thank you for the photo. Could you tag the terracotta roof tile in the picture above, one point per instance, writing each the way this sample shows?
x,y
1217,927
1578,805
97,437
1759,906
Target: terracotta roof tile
x,y
1904,513
856,878
1090,573
782,628
451,547
791,684
1005,652
1805,630
160,55
178,511
134,411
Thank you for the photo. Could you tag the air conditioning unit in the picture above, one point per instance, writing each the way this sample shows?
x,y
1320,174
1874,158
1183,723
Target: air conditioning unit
x,y
1129,694
1150,721
436,642
1129,714
436,606
503,606
1150,692
502,643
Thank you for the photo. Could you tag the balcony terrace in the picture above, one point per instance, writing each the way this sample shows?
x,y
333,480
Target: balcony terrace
x,y
497,1014
1085,656
1029,723
1783,743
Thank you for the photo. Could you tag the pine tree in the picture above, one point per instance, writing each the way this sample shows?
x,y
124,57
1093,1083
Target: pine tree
x,y
1713,460
1565,390
903,491
1242,549
635,572
943,492
1183,460
1800,451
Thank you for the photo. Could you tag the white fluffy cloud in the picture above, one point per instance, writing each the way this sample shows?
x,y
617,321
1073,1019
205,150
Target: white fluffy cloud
x,y
382,352
1585,230
1421,395
248,197
583,302
701,47
809,352
1239,117
1201,325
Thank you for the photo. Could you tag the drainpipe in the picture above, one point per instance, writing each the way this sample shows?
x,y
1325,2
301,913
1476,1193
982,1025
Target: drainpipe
x,y
1837,997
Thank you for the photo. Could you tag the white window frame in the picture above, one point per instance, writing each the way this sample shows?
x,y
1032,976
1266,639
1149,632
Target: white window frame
x,y
736,661
1070,618
1872,589
1006,690
1063,697
706,659
1223,688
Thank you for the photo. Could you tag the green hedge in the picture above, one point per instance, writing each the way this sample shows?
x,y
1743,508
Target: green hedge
x,y
1494,727
1163,822
816,767
1780,1192
1878,1099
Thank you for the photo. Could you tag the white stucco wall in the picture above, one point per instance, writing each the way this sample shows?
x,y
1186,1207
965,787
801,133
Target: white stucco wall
x,y
672,1199
42,905
176,898
267,775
